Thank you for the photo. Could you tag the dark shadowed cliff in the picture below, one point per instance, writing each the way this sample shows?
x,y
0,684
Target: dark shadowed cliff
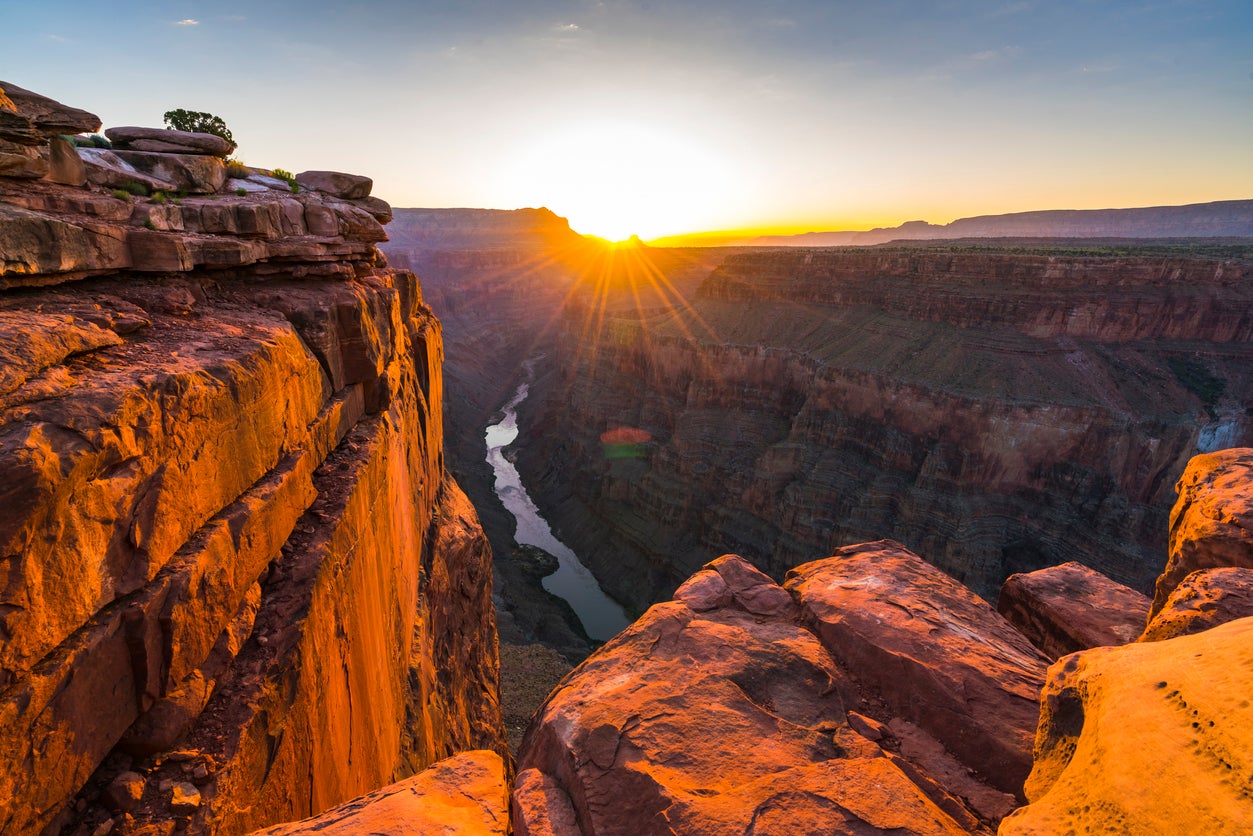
x,y
996,413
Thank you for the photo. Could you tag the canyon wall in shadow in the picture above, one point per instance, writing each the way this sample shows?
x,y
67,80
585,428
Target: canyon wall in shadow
x,y
995,412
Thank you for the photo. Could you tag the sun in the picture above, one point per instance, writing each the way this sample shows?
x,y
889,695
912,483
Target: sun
x,y
614,178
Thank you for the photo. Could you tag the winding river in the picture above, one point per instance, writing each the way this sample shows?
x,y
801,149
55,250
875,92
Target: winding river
x,y
602,617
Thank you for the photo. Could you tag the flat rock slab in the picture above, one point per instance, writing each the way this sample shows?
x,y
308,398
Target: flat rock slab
x,y
1146,738
1204,600
932,650
1211,524
465,794
337,183
47,117
1070,607
174,142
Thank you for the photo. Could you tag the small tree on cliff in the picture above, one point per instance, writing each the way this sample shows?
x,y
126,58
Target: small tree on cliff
x,y
199,122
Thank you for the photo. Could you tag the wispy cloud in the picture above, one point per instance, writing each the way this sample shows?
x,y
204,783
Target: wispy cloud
x,y
568,27
1004,52
58,39
187,21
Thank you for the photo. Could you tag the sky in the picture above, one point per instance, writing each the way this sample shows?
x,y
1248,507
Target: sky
x,y
661,118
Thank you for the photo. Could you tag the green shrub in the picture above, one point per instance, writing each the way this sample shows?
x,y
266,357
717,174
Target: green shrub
x,y
136,188
93,141
122,194
241,191
284,174
148,224
236,169
157,198
197,121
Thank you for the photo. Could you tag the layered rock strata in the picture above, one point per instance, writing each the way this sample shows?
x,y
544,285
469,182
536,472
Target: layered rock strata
x,y
1070,607
871,694
238,585
997,413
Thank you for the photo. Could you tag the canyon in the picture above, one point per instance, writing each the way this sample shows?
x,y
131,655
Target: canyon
x,y
994,412
244,590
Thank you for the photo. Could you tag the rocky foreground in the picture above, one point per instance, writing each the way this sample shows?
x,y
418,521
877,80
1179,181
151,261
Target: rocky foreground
x,y
870,693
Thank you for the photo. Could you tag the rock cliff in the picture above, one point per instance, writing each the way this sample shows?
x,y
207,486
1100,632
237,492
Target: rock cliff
x,y
997,413
238,586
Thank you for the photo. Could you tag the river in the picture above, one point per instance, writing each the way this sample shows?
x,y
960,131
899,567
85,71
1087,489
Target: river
x,y
602,617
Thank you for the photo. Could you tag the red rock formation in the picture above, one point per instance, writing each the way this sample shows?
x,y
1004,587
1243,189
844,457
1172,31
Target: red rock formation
x,y
1211,524
1146,738
233,565
1071,607
933,652
466,794
1201,601
737,707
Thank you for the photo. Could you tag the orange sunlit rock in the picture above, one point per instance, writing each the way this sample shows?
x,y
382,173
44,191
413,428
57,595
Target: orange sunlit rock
x,y
738,704
1204,599
1211,524
1146,738
1070,607
238,585
465,794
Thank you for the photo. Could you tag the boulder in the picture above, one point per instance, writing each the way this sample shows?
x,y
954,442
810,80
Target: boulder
x,y
935,653
379,208
1146,738
48,116
24,163
166,141
1211,524
106,168
196,174
1070,607
347,186
1203,600
717,712
64,164
465,794
124,792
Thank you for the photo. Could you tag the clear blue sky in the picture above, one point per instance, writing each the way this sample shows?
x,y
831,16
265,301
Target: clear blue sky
x,y
667,117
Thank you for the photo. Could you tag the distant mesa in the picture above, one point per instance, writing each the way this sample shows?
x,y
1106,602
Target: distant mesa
x,y
1219,219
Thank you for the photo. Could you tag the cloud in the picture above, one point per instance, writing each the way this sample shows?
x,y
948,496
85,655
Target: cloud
x,y
1004,52
186,22
568,27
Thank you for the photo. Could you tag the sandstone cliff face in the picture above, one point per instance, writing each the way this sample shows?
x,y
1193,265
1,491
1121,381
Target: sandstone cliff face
x,y
233,564
996,413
